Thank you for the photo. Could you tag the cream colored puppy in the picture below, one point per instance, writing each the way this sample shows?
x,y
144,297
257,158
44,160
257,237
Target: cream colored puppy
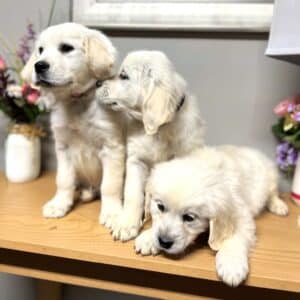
x,y
163,122
67,61
222,188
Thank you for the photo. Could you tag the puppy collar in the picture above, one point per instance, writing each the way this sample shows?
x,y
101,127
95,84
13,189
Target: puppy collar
x,y
88,88
181,103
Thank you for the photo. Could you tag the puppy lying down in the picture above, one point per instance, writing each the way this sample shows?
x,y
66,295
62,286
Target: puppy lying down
x,y
222,188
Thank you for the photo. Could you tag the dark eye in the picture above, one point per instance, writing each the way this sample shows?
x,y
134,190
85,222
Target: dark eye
x,y
65,48
41,49
124,76
188,218
161,207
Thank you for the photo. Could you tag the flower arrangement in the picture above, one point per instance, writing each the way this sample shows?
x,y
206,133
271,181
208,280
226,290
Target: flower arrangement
x,y
287,130
18,100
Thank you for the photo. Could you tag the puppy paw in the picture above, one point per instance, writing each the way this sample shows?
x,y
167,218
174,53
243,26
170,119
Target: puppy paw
x,y
127,228
56,208
232,267
87,195
278,207
144,243
109,215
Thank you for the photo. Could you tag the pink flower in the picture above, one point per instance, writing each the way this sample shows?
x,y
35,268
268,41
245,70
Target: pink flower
x,y
30,94
2,64
282,108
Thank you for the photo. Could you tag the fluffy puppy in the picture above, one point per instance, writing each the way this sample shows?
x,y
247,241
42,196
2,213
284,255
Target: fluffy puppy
x,y
222,188
163,122
66,63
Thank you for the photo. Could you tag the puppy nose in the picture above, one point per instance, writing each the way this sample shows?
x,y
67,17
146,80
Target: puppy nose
x,y
99,83
165,243
41,66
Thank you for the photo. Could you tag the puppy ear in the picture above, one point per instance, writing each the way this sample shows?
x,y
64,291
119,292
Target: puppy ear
x,y
26,73
100,55
161,103
221,228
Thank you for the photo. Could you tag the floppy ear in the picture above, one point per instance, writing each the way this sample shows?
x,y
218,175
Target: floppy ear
x,y
100,56
158,109
162,100
26,73
221,228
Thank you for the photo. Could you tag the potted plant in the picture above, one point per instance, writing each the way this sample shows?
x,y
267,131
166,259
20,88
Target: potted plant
x,y
20,103
287,130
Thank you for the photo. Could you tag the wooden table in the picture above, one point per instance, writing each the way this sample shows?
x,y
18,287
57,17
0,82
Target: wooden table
x,y
77,250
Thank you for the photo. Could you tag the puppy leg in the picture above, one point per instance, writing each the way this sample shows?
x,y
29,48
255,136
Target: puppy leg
x,y
275,204
111,186
63,200
232,258
131,219
144,243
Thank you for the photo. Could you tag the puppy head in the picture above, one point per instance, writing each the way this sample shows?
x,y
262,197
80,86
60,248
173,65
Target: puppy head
x,y
147,88
69,56
185,197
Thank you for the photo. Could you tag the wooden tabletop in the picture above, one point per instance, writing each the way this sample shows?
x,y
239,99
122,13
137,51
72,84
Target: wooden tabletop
x,y
275,262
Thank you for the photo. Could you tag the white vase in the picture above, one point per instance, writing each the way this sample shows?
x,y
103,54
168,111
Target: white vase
x,y
296,183
22,157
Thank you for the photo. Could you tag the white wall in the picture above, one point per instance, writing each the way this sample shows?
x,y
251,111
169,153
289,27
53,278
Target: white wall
x,y
236,84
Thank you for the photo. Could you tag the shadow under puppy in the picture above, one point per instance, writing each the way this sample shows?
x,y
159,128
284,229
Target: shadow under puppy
x,y
222,188
163,122
67,61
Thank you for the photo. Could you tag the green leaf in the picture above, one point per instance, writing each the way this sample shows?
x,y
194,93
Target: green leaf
x,y
289,123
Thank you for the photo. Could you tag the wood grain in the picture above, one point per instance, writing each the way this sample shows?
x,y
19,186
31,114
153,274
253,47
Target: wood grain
x,y
275,262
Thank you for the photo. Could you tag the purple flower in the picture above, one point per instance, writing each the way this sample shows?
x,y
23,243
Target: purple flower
x,y
286,155
291,107
25,44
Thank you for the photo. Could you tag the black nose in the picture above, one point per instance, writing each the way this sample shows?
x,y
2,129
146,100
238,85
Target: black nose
x,y
164,243
41,66
99,83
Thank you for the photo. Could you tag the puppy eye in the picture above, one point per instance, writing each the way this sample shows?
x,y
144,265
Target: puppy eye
x,y
41,49
124,76
161,207
65,48
188,218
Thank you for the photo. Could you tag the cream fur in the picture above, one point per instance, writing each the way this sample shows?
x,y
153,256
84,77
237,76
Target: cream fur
x,y
158,129
88,138
223,188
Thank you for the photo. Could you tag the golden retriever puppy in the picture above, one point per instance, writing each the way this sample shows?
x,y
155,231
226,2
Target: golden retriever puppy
x,y
222,188
68,62
163,122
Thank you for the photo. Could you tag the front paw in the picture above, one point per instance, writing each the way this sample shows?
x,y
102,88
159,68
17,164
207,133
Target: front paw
x,y
127,228
144,243
56,208
109,215
232,267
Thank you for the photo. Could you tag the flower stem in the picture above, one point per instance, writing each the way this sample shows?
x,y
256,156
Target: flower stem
x,y
51,13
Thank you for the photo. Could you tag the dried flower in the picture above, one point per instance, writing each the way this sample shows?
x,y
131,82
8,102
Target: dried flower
x,y
2,64
286,156
31,95
25,45
14,91
282,108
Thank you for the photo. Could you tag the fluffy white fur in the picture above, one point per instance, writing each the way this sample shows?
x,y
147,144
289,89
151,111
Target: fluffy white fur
x,y
88,138
222,188
163,122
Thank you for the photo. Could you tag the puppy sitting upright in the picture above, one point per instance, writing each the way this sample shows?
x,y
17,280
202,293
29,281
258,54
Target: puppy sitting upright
x,y
164,122
67,61
223,188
